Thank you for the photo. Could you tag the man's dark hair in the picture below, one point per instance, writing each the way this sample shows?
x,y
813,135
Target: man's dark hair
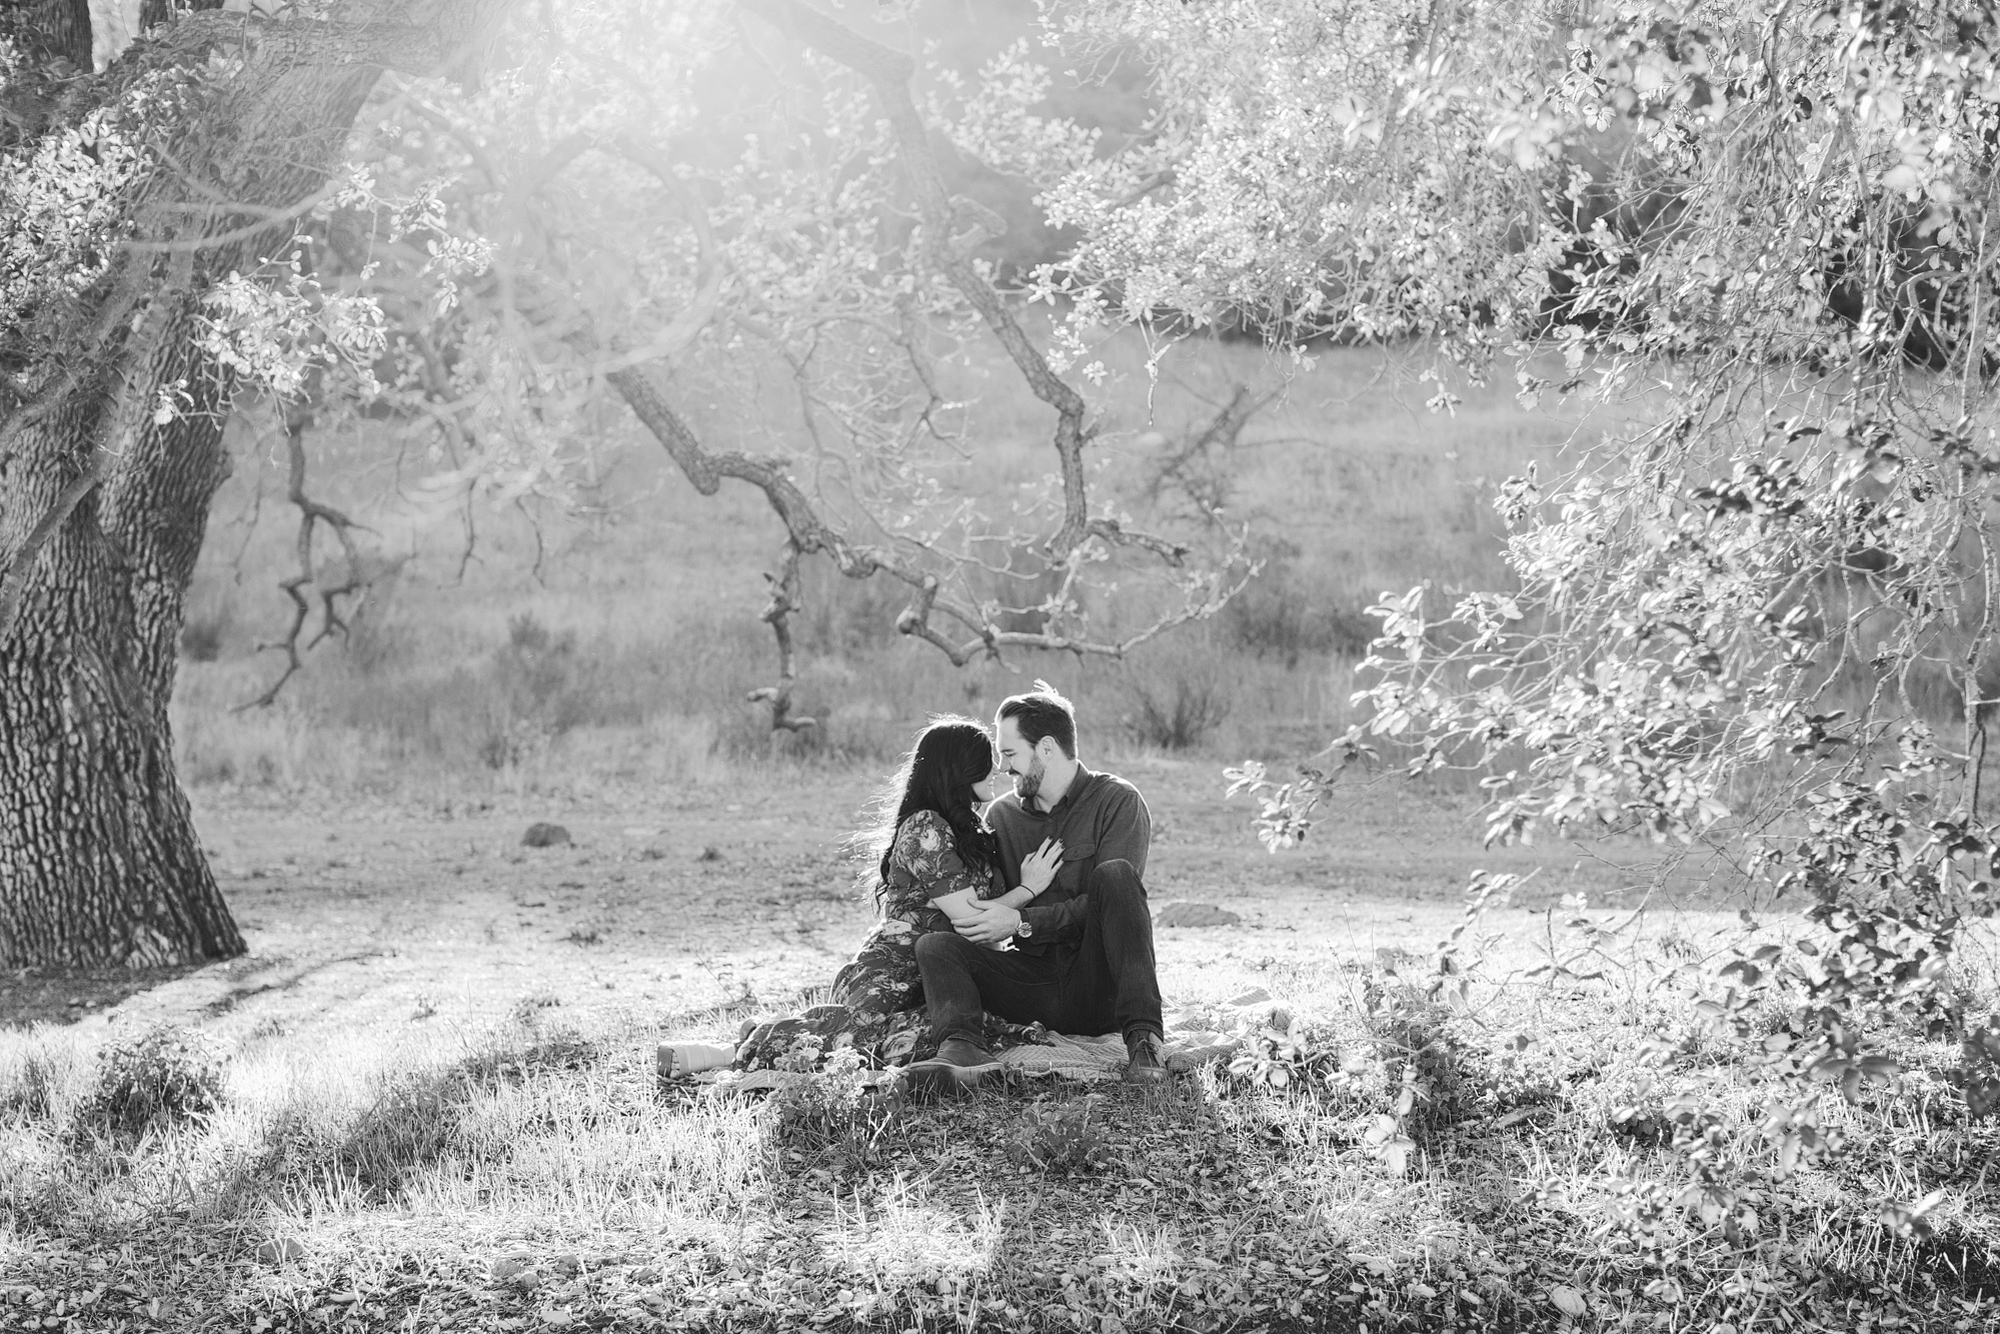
x,y
1042,712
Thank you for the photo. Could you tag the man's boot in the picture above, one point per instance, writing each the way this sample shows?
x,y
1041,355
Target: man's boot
x,y
959,1064
1144,1063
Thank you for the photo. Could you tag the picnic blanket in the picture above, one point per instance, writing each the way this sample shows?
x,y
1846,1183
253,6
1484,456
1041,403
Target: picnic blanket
x,y
1195,1035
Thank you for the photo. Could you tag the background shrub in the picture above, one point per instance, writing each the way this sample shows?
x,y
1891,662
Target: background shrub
x,y
1178,694
1297,609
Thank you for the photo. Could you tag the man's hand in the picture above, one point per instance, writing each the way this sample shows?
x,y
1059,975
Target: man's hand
x,y
989,925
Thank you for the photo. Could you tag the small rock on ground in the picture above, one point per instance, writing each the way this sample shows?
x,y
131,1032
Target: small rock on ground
x,y
541,834
1194,914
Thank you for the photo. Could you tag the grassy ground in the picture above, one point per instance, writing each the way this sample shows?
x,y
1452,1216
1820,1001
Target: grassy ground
x,y
435,1103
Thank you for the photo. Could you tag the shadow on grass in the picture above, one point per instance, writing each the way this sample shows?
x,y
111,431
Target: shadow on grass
x,y
413,1125
65,995
1212,1204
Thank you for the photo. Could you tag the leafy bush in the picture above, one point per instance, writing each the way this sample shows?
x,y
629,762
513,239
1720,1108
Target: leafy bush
x,y
1412,1078
842,1107
1057,1141
537,692
166,1075
1425,1069
1280,1057
1180,716
1843,1018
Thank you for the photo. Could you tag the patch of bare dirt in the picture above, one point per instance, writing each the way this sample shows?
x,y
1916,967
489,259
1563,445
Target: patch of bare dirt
x,y
374,914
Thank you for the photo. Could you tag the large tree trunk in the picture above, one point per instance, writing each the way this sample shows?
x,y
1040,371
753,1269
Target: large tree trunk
x,y
99,859
102,503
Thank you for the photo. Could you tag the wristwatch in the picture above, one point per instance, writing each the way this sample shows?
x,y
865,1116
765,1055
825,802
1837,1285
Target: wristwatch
x,y
1025,930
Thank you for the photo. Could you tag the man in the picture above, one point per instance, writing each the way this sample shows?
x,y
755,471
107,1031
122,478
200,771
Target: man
x,y
1082,956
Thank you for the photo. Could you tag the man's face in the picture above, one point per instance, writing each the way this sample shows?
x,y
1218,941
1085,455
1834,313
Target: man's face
x,y
1020,759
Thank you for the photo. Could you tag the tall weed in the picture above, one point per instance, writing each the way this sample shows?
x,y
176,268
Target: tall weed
x,y
45,1071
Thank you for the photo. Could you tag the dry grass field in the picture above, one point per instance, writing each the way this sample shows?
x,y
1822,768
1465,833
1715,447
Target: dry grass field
x,y
426,1098
627,651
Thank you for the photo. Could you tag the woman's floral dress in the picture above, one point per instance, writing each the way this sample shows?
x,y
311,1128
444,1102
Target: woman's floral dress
x,y
923,865
878,996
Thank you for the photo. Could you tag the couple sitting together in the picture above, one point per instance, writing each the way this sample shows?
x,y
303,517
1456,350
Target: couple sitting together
x,y
1034,917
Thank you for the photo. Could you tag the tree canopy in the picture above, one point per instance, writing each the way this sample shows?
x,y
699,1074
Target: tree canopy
x,y
1763,615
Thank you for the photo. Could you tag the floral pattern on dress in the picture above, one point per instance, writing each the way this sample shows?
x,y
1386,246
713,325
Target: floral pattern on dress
x,y
878,996
801,1042
923,865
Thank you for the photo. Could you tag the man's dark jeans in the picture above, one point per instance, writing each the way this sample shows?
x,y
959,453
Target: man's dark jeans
x,y
1105,983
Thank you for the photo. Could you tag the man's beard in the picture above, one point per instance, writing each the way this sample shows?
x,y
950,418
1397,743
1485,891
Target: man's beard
x,y
1028,784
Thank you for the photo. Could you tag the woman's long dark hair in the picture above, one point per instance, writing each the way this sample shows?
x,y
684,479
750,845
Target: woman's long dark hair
x,y
951,755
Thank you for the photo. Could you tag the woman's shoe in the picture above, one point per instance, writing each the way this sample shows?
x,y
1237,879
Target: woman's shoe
x,y
678,1060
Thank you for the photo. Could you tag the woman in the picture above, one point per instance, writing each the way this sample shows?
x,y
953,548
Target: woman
x,y
932,858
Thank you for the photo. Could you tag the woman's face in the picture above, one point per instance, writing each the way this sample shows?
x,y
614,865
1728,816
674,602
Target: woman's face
x,y
982,791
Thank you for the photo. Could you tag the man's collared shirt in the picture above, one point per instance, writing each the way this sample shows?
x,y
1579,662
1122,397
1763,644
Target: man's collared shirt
x,y
1101,818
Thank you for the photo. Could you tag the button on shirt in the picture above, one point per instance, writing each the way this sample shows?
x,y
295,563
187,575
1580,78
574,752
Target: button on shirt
x,y
1101,818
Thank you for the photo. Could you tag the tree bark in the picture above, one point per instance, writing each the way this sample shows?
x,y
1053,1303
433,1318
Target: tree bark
x,y
99,859
103,505
65,29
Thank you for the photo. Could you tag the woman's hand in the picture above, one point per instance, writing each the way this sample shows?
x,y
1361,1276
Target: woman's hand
x,y
1038,868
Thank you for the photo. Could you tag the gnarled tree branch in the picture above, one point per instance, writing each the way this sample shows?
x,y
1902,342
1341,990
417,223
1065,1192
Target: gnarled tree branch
x,y
312,513
777,615
889,72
